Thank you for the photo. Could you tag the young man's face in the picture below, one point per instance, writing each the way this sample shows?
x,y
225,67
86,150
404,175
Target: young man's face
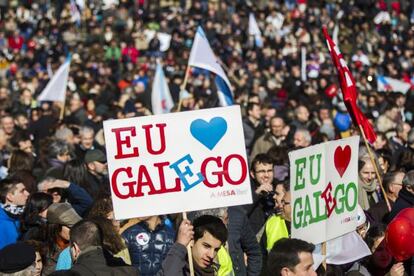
x,y
263,173
303,268
205,250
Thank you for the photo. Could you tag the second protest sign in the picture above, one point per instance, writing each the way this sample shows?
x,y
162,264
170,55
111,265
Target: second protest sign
x,y
324,190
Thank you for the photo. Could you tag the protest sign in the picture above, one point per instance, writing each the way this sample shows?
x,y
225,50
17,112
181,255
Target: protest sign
x,y
177,162
324,187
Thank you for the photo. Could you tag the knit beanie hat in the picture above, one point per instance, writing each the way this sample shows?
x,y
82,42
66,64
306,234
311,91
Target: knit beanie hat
x,y
16,257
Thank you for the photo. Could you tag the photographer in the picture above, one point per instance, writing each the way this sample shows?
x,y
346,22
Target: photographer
x,y
263,187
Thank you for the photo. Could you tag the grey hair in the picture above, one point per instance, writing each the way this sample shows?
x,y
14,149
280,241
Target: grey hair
x,y
85,129
408,180
58,147
306,134
63,133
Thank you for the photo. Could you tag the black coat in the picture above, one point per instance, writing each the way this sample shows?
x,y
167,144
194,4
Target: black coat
x,y
405,200
93,262
241,239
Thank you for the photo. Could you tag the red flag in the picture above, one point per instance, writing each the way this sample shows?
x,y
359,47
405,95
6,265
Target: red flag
x,y
348,88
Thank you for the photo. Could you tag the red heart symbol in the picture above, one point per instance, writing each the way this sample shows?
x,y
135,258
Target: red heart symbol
x,y
342,157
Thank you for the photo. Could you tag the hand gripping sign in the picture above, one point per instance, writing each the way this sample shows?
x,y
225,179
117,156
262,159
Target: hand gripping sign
x,y
324,190
177,162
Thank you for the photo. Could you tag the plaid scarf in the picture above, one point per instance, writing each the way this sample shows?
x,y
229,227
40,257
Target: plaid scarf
x,y
13,211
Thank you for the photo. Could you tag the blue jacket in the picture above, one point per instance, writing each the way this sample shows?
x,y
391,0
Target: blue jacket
x,y
9,229
149,248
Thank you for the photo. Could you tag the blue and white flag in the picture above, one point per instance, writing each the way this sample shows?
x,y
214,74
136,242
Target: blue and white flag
x,y
160,98
385,84
202,56
76,15
55,89
255,31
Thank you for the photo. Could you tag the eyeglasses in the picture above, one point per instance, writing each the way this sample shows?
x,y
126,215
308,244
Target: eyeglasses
x,y
264,171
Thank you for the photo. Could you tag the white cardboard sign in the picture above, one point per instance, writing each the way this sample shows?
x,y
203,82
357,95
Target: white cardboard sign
x,y
324,190
177,162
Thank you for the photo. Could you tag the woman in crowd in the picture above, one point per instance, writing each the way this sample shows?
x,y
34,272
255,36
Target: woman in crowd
x,y
34,216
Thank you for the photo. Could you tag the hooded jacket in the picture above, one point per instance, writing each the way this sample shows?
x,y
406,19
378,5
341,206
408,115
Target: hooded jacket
x,y
9,229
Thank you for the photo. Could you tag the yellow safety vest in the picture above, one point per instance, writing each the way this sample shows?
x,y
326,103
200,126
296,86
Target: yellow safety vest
x,y
275,230
226,265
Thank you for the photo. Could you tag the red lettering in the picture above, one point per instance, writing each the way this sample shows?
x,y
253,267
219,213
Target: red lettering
x,y
129,184
127,142
143,172
243,169
147,129
163,189
219,174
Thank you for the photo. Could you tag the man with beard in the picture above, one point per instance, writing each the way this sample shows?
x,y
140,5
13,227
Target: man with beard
x,y
97,176
13,197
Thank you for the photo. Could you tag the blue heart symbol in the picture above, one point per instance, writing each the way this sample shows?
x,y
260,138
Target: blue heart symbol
x,y
209,133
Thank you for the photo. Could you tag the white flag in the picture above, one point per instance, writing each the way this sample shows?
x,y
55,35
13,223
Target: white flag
x,y
55,89
202,56
392,85
255,31
160,97
342,250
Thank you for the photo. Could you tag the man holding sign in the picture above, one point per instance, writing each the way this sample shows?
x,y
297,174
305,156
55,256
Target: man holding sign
x,y
208,233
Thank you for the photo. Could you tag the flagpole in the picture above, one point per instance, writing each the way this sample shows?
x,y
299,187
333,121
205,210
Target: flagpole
x,y
189,252
187,74
324,255
375,167
62,110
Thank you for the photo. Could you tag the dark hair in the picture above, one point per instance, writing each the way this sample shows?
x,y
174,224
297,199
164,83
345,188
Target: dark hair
x,y
279,154
21,161
39,247
389,179
261,158
111,240
285,253
250,106
374,233
212,225
101,208
37,203
19,136
75,171
7,185
86,233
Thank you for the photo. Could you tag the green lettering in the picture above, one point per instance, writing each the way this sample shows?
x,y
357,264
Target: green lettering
x,y
318,216
350,186
300,166
340,204
297,214
313,180
307,216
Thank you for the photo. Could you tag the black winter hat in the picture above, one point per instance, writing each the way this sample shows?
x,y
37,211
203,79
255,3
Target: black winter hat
x,y
16,257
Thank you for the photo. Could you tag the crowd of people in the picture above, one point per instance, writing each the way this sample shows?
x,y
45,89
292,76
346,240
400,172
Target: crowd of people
x,y
56,214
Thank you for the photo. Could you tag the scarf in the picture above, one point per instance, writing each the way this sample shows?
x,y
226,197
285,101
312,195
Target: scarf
x,y
365,190
13,211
